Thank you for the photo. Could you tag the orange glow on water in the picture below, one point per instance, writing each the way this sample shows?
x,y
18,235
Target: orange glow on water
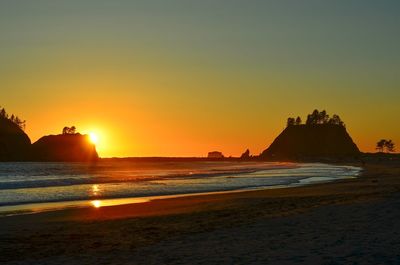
x,y
122,201
95,189
96,203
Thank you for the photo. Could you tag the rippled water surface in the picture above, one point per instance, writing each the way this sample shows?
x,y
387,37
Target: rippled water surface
x,y
27,183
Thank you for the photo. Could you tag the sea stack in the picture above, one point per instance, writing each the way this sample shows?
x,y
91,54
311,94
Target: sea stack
x,y
14,142
315,141
321,137
64,148
245,155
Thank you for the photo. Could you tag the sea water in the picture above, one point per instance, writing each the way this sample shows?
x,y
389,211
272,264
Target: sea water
x,y
29,185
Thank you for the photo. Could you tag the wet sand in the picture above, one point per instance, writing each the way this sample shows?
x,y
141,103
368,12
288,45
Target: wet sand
x,y
351,221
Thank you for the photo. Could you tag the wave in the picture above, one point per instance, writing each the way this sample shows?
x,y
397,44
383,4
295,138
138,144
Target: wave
x,y
40,175
138,180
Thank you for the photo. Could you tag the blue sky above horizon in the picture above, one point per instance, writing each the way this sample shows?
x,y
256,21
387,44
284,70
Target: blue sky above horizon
x,y
185,77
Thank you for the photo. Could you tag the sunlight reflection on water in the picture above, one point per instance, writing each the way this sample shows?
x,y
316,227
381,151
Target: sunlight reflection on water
x,y
95,189
122,201
96,203
39,186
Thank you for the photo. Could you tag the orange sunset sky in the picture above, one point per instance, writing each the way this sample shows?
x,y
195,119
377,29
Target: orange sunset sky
x,y
181,78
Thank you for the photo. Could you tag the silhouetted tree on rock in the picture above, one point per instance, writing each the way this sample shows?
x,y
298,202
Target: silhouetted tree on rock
x,y
15,119
298,121
322,117
69,130
336,120
313,117
317,117
3,113
290,122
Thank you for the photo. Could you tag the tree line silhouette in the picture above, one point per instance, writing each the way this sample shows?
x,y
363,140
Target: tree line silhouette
x,y
13,118
384,144
316,117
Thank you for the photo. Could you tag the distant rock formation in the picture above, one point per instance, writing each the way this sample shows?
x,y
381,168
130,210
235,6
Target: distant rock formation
x,y
312,141
64,147
215,154
14,143
246,154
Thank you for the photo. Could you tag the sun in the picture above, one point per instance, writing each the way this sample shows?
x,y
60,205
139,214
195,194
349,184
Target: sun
x,y
93,138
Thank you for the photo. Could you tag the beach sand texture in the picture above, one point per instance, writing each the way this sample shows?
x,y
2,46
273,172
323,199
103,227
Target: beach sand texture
x,y
351,221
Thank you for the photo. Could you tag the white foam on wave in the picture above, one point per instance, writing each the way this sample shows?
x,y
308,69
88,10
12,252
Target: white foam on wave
x,y
137,180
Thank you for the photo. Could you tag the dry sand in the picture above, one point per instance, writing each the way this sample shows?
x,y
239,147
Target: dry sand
x,y
352,221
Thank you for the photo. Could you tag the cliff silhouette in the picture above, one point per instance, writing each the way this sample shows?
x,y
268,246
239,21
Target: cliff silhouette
x,y
14,142
312,141
320,137
64,148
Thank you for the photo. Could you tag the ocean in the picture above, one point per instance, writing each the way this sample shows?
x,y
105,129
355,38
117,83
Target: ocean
x,y
28,187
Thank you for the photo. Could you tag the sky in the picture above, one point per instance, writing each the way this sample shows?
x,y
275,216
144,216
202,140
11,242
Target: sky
x,y
181,78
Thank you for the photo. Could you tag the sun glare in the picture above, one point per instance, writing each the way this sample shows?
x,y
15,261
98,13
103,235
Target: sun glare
x,y
93,138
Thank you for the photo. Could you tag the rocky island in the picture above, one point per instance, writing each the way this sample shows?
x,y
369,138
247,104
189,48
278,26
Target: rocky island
x,y
69,146
320,137
64,148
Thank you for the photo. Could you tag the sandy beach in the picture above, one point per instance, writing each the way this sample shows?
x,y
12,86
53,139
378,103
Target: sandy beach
x,y
352,221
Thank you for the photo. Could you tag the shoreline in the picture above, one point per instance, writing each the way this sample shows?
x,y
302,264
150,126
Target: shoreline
x,y
182,203
141,232
34,208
